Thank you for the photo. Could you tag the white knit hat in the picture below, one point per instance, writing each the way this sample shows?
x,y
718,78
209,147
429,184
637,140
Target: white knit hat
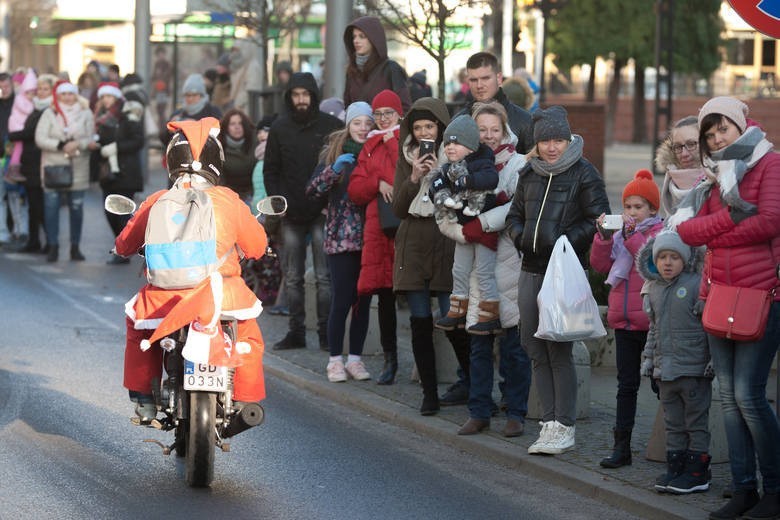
x,y
109,89
727,106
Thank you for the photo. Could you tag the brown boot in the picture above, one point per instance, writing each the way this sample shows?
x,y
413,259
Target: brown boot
x,y
456,316
488,322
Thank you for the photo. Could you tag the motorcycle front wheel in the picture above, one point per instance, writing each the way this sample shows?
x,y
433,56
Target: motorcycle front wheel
x,y
201,439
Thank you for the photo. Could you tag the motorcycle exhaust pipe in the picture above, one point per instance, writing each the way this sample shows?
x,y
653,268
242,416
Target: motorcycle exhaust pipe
x,y
251,415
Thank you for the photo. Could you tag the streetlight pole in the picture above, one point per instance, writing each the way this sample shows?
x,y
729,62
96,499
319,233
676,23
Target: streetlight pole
x,y
143,59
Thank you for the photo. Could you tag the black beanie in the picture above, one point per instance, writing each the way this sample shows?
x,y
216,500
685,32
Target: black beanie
x,y
551,123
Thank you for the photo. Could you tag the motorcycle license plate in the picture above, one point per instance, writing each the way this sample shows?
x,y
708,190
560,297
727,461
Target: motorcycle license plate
x,y
207,378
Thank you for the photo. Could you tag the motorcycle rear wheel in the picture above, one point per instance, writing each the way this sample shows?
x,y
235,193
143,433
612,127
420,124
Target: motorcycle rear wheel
x,y
201,439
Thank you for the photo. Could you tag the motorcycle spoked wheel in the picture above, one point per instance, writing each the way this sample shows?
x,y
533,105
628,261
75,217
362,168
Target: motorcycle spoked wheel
x,y
201,439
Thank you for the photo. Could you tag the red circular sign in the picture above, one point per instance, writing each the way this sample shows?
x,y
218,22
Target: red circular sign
x,y
762,15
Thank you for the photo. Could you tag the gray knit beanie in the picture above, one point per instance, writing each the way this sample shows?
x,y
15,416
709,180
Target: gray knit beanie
x,y
463,130
669,240
551,123
194,84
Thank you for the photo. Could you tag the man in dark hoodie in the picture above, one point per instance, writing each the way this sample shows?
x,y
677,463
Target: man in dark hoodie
x,y
292,149
484,79
370,71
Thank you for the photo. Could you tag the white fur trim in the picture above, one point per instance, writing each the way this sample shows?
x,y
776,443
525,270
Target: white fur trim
x,y
242,347
145,345
246,313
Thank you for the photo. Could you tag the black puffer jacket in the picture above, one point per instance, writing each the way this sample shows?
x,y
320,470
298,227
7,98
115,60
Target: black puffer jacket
x,y
292,151
575,200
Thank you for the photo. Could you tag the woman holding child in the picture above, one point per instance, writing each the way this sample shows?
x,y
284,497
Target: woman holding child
x,y
735,213
559,193
515,368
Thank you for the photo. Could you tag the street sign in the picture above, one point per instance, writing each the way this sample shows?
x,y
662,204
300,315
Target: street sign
x,y
762,15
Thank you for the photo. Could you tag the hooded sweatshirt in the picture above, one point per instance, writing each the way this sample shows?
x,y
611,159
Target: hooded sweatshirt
x,y
378,74
292,150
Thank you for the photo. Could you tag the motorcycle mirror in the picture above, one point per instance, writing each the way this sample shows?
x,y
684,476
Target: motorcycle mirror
x,y
119,204
272,205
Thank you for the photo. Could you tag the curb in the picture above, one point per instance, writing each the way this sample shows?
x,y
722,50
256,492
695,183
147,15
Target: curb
x,y
634,500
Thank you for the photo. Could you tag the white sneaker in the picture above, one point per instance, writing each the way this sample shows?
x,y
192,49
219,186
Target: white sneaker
x,y
357,370
562,440
544,437
336,373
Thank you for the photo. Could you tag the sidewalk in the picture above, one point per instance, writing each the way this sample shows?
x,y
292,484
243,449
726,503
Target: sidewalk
x,y
629,488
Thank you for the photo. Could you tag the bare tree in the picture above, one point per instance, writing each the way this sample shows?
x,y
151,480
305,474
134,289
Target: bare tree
x,y
426,24
261,16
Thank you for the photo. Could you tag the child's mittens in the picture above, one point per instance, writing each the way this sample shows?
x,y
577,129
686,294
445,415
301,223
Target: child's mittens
x,y
462,183
470,212
452,203
647,367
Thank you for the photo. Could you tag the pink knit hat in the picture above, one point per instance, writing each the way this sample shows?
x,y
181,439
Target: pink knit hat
x,y
30,81
727,106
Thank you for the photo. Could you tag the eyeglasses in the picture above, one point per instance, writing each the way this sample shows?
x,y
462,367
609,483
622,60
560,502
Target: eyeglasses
x,y
691,146
387,114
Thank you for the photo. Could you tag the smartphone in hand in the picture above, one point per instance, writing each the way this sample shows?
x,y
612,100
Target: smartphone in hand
x,y
426,147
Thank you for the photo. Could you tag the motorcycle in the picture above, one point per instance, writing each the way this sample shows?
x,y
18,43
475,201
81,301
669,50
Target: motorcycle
x,y
195,396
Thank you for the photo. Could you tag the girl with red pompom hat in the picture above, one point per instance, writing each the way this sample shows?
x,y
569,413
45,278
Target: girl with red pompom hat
x,y
613,254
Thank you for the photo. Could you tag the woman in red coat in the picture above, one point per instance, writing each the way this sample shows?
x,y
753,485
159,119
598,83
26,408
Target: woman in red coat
x,y
734,212
372,179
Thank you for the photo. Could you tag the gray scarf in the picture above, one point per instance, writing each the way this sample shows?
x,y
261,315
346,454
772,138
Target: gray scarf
x,y
361,60
196,107
234,143
729,166
571,155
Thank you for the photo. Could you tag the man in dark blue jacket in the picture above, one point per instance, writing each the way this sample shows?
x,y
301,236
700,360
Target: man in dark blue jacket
x,y
294,143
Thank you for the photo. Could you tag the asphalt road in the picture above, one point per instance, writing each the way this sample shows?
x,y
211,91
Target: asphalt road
x,y
68,449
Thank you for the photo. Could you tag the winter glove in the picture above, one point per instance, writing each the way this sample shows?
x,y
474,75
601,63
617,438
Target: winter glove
x,y
698,307
654,387
343,160
462,183
647,367
738,215
502,198
709,371
472,230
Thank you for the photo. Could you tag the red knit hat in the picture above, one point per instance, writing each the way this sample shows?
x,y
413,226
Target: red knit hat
x,y
643,186
389,99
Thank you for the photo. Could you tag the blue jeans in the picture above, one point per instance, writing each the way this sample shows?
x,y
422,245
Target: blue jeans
x,y
751,426
515,367
51,214
420,302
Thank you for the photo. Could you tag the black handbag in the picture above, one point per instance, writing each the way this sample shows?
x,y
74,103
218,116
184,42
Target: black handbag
x,y
58,176
387,219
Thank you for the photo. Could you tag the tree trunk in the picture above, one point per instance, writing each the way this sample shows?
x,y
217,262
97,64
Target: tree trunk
x,y
590,94
639,132
441,85
612,100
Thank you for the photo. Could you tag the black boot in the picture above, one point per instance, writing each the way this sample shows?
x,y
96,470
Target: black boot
x,y
767,507
53,253
425,358
387,377
695,478
675,465
621,453
75,254
741,502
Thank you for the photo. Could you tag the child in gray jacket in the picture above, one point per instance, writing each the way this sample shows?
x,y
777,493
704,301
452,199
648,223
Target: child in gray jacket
x,y
676,356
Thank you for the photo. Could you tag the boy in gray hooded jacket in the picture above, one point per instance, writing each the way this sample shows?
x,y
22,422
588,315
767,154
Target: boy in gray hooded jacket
x,y
676,356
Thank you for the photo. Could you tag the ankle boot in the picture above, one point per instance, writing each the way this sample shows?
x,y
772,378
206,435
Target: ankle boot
x,y
488,321
387,377
695,478
425,358
675,465
621,453
52,253
456,316
75,254
741,502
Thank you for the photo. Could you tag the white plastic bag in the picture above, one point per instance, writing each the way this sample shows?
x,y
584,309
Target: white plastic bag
x,y
567,309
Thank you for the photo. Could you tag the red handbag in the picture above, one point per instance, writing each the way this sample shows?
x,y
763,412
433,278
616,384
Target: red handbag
x,y
736,313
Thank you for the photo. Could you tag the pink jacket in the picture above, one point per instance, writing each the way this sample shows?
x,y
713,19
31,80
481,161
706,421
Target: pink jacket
x,y
624,310
747,254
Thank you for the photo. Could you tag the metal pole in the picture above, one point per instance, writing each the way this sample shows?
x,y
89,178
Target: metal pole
x,y
143,59
545,8
339,15
507,32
